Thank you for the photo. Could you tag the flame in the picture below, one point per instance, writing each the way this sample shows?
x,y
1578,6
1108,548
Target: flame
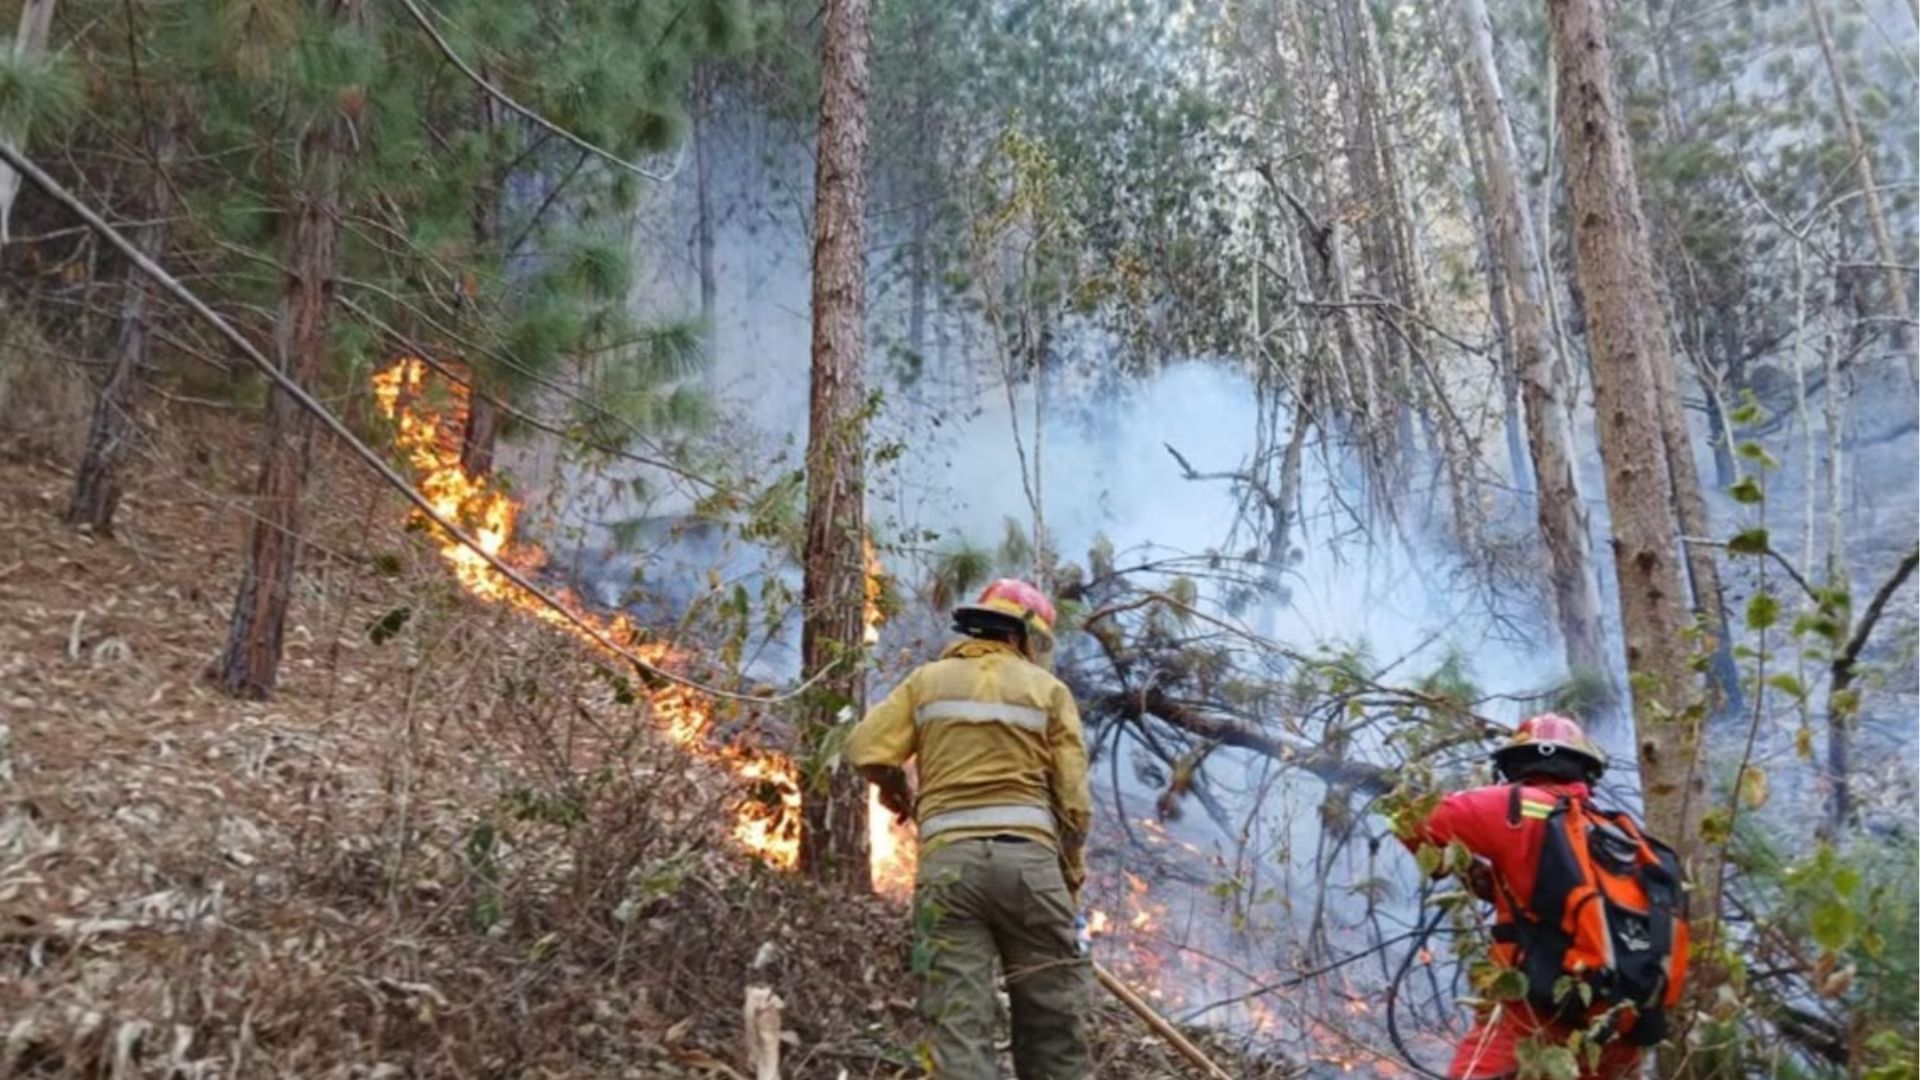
x,y
876,584
893,858
766,822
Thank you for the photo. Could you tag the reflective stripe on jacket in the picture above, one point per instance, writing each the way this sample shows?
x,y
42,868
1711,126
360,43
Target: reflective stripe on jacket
x,y
1482,820
998,745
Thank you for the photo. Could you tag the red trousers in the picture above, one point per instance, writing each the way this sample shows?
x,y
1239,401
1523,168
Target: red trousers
x,y
1492,1049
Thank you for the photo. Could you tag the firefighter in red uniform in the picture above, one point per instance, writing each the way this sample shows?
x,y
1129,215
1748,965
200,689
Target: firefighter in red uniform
x,y
1504,827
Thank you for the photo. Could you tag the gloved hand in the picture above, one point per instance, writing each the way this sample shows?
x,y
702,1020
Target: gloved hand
x,y
900,801
1480,880
896,791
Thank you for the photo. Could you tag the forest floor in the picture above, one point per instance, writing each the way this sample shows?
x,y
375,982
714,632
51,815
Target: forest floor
x,y
443,848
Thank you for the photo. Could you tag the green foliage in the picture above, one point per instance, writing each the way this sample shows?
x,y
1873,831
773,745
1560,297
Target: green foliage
x,y
958,571
1015,549
1451,680
37,92
1858,908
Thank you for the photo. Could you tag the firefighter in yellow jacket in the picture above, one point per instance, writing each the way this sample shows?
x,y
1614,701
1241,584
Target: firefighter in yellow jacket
x,y
1003,812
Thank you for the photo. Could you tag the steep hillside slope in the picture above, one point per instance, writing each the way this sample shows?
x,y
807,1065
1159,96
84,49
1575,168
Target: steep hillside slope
x,y
445,848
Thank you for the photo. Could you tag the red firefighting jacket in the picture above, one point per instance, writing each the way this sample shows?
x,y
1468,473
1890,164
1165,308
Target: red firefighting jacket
x,y
1481,820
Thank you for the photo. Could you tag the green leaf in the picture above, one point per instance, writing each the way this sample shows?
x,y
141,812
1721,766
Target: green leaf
x,y
386,627
1833,924
1788,685
1757,454
1716,826
1428,858
1753,787
1749,542
1846,879
1846,704
1747,490
1509,984
1762,611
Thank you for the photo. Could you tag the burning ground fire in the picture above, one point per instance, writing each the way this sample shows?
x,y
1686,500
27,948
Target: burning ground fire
x,y
892,851
1131,925
429,435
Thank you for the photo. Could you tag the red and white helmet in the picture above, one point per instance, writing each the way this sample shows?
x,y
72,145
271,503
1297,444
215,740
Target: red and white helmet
x,y
1010,602
1545,736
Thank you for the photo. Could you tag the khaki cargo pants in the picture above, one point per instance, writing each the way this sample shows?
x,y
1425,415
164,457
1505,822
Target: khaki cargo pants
x,y
978,901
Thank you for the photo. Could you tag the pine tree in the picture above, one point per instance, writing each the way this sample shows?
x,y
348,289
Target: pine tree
x,y
834,839
29,51
250,665
1626,320
97,481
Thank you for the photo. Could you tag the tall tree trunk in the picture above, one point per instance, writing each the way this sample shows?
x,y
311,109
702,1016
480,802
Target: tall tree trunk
x,y
96,484
1543,375
29,46
921,189
481,432
1838,575
1368,197
1348,388
1890,259
250,665
1690,510
1472,131
833,841
703,229
1421,384
1627,332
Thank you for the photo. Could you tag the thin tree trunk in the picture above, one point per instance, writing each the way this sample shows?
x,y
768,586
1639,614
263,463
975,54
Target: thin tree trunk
x,y
250,665
96,483
1690,509
1350,385
1367,188
1838,576
1725,469
1543,376
1407,273
29,46
1626,328
834,839
1286,496
1869,187
1472,132
481,433
1843,705
703,230
921,191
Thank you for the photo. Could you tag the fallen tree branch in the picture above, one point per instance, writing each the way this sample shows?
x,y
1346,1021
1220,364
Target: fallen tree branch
x,y
1159,1024
1153,701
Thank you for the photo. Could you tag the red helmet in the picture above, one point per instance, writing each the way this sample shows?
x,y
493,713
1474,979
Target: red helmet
x,y
1545,736
1010,602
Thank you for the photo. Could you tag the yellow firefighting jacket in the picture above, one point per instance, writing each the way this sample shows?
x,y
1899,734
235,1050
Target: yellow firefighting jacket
x,y
998,745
